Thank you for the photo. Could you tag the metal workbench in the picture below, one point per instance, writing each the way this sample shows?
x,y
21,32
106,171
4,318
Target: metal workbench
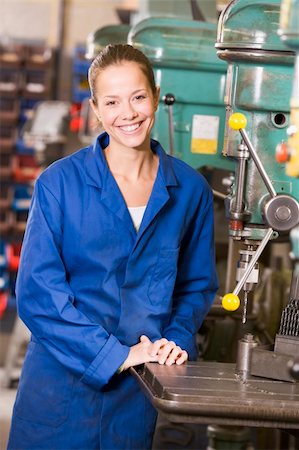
x,y
210,392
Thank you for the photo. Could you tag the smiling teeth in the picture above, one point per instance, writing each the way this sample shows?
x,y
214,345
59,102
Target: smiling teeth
x,y
131,127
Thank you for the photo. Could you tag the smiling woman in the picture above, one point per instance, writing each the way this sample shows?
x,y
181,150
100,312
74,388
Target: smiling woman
x,y
117,269
124,97
126,105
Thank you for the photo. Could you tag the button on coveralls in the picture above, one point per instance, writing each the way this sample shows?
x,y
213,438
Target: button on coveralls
x,y
88,287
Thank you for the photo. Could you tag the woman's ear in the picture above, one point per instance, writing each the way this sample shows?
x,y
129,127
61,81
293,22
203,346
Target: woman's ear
x,y
96,122
95,109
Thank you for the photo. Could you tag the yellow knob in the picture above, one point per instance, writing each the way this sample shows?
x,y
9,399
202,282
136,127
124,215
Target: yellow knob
x,y
230,302
237,121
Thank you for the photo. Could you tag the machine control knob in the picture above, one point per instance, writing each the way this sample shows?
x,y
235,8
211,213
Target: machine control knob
x,y
282,153
169,99
230,302
293,367
282,212
237,121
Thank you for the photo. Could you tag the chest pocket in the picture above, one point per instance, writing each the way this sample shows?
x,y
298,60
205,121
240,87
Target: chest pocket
x,y
164,275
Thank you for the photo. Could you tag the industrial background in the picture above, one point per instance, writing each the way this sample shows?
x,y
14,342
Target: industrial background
x,y
229,107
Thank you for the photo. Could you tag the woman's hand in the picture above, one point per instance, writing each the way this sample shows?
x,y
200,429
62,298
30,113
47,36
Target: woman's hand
x,y
140,353
161,351
168,352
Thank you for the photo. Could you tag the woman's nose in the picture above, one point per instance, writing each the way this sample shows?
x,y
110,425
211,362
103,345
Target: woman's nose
x,y
128,112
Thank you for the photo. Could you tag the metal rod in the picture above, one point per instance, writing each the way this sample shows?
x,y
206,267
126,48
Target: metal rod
x,y
60,46
253,260
169,100
295,87
294,289
231,264
171,130
219,194
244,315
258,163
240,182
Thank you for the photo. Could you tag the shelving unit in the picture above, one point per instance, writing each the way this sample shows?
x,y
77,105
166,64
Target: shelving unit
x,y
25,79
80,89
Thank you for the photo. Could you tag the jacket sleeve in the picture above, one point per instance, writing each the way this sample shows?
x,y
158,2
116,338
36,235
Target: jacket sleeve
x,y
46,302
196,283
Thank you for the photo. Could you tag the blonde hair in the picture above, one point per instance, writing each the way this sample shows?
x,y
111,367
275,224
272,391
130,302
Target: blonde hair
x,y
116,54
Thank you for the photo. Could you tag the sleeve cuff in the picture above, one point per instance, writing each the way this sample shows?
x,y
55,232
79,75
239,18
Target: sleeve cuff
x,y
106,363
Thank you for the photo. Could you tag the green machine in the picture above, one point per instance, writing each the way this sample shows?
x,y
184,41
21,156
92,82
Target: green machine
x,y
263,203
110,34
191,116
259,83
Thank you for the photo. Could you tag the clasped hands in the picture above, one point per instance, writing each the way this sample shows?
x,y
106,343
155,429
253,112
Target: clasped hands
x,y
161,351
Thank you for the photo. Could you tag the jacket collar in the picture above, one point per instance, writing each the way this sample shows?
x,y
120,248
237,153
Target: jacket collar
x,y
98,173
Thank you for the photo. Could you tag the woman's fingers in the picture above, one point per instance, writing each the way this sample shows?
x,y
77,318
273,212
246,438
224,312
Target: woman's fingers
x,y
173,355
162,351
183,357
176,356
165,351
157,345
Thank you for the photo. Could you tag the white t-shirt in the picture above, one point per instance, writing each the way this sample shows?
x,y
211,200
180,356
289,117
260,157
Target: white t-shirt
x,y
137,215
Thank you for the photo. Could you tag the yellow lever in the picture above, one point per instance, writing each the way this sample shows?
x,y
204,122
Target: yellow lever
x,y
237,121
230,302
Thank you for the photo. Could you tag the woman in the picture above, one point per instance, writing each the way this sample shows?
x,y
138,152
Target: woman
x,y
117,269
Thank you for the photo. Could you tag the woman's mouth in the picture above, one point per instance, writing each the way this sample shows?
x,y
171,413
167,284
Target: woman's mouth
x,y
130,128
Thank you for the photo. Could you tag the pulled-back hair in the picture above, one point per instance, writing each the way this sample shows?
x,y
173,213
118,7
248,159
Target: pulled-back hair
x,y
114,54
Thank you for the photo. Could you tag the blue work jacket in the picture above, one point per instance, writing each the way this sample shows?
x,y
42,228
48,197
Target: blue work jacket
x,y
89,286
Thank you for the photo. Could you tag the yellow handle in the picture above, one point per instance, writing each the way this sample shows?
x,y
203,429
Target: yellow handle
x,y
237,121
230,302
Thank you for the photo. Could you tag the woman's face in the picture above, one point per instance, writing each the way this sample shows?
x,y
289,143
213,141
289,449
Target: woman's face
x,y
126,104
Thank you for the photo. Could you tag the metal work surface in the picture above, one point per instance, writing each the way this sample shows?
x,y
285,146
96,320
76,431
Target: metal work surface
x,y
210,392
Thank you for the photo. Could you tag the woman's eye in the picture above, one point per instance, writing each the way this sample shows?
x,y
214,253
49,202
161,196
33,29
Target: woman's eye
x,y
110,103
140,97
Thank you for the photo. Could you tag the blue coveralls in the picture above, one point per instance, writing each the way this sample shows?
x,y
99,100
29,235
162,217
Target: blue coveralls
x,y
88,287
